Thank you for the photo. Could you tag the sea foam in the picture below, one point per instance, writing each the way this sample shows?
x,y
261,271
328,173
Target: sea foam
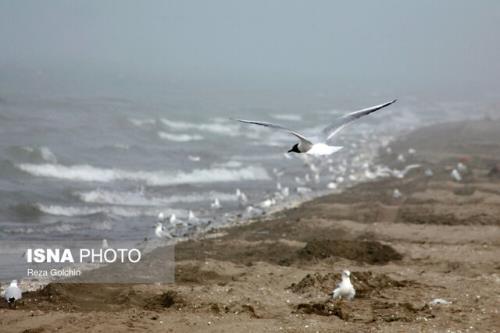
x,y
139,198
179,137
87,173
214,127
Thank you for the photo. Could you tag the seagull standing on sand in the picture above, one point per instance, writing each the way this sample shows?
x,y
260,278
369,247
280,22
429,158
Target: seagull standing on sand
x,y
191,217
321,148
104,244
160,231
396,194
456,175
241,197
345,288
13,293
461,167
429,173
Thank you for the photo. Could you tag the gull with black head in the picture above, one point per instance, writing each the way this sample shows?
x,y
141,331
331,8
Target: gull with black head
x,y
321,147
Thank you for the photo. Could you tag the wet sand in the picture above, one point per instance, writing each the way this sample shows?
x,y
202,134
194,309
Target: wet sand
x,y
441,239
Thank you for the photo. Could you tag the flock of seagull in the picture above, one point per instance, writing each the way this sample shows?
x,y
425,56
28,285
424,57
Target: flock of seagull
x,y
318,146
172,227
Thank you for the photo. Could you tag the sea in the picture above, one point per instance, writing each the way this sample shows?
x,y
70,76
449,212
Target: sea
x,y
106,167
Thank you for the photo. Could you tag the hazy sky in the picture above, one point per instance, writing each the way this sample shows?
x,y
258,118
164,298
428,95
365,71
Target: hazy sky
x,y
391,44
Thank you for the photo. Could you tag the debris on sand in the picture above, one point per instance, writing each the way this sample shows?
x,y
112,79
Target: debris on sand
x,y
327,308
439,301
494,171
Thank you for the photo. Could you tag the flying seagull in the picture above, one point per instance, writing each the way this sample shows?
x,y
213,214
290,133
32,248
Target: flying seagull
x,y
322,147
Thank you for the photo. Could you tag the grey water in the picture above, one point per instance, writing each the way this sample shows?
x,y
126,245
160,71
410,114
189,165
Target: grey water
x,y
104,167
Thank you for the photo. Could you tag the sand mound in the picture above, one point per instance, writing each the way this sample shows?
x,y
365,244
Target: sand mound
x,y
449,215
83,297
367,311
494,172
193,274
168,299
366,283
237,251
371,252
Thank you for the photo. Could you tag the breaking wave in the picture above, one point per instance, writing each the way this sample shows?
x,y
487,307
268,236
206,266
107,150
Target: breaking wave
x,y
142,122
139,198
33,154
108,210
87,173
214,127
179,137
289,117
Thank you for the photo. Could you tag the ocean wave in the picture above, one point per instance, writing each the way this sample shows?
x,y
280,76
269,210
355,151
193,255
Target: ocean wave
x,y
289,117
142,122
70,211
33,154
228,164
179,137
139,198
214,127
87,173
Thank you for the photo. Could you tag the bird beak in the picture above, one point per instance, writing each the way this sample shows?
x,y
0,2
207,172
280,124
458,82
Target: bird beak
x,y
291,150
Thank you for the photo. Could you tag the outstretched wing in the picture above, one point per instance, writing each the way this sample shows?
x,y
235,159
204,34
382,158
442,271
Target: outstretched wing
x,y
279,127
340,123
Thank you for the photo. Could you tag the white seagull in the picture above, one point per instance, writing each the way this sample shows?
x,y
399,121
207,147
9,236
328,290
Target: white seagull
x,y
241,197
322,147
12,293
160,231
216,204
191,217
104,244
345,288
456,175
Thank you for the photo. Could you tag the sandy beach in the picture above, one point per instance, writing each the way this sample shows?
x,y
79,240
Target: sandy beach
x,y
440,239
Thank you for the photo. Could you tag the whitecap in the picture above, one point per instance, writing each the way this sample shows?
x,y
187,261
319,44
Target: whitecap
x,y
179,137
41,153
217,128
229,164
87,173
142,122
139,198
69,211
289,117
48,155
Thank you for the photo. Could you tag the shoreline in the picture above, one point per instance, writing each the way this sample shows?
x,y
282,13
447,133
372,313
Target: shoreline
x,y
275,273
